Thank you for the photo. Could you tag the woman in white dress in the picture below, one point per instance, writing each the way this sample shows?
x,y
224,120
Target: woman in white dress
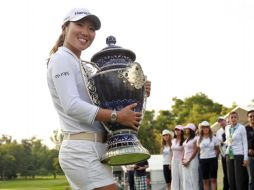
x,y
190,159
177,156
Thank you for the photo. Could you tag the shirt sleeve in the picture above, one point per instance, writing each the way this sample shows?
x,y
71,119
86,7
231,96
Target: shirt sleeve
x,y
227,134
218,135
245,143
216,141
63,75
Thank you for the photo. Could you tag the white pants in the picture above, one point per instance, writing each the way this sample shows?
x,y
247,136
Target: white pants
x,y
190,175
80,161
177,175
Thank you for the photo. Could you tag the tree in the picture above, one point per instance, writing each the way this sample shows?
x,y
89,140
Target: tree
x,y
8,169
8,162
5,139
52,163
196,108
30,158
164,120
39,157
192,109
35,156
147,132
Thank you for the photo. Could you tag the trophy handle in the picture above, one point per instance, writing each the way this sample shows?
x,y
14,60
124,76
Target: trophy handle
x,y
110,132
145,101
89,68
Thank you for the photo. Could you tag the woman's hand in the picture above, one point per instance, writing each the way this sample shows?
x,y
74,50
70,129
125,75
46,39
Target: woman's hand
x,y
128,117
245,163
186,162
148,88
251,152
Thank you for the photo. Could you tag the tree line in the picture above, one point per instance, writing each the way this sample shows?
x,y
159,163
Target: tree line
x,y
31,158
192,109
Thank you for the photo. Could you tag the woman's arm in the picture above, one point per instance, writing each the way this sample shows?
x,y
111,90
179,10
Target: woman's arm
x,y
194,153
125,116
217,150
245,146
64,91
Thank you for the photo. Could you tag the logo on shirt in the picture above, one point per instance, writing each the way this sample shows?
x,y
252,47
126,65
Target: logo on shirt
x,y
62,74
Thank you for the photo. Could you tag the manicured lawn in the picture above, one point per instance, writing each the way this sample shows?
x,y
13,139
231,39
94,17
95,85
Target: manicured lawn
x,y
220,177
60,183
39,183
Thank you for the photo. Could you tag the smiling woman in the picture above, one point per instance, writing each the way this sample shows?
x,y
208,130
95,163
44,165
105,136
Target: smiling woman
x,y
215,37
74,37
76,112
83,136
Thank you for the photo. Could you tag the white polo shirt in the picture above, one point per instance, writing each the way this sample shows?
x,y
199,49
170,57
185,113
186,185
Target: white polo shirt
x,y
69,94
207,147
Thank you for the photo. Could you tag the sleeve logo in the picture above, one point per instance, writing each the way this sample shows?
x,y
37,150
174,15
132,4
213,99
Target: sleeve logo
x,y
62,74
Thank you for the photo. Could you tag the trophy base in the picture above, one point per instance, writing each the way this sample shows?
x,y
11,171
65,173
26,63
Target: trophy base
x,y
125,157
123,149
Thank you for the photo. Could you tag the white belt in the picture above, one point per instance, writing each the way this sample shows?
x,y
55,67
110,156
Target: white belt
x,y
95,137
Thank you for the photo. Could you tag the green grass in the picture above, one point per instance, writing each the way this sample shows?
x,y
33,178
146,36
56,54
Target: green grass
x,y
39,183
60,183
220,176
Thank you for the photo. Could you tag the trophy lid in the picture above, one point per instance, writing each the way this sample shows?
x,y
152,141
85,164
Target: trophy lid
x,y
113,54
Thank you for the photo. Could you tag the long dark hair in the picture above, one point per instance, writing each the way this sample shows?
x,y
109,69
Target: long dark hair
x,y
181,137
192,135
59,42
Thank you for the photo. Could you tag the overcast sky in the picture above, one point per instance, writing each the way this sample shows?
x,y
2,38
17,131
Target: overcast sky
x,y
184,47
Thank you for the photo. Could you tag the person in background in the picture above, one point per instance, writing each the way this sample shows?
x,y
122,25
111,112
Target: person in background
x,y
208,146
236,153
177,156
83,135
166,155
200,176
130,171
190,159
221,136
140,175
250,138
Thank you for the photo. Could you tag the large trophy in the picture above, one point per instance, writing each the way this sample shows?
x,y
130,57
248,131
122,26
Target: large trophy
x,y
114,81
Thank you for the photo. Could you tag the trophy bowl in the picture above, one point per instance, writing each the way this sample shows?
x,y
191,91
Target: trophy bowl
x,y
115,81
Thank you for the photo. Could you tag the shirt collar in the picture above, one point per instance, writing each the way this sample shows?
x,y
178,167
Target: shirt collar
x,y
62,48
